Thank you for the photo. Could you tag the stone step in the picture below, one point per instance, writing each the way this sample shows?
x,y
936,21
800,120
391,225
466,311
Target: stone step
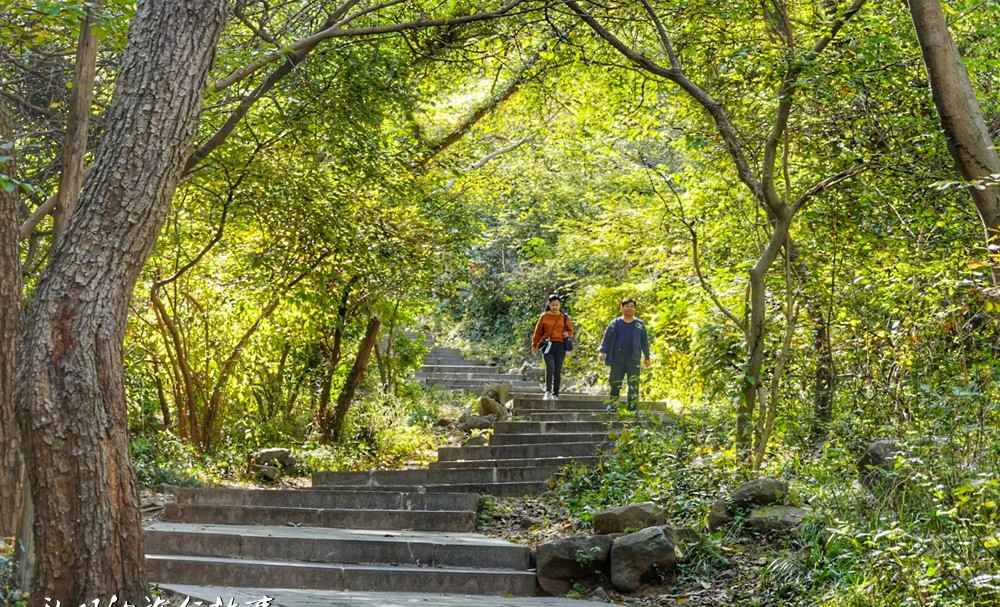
x,y
386,478
318,545
334,598
523,427
586,460
564,403
479,382
503,489
564,416
446,454
424,520
305,498
472,376
220,571
558,412
548,438
480,369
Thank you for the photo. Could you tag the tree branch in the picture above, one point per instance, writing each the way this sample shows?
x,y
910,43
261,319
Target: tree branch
x,y
722,121
675,62
335,31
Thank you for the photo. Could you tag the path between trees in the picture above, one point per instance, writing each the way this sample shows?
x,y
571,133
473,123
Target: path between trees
x,y
383,537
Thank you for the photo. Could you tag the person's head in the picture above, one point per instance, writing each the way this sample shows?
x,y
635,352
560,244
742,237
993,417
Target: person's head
x,y
627,307
553,303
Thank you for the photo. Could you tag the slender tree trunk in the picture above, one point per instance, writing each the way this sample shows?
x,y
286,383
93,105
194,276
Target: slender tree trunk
x,y
70,394
354,378
823,378
11,467
75,145
755,338
961,117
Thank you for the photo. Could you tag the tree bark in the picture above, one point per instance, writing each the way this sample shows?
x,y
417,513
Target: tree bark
x,y
70,395
961,117
75,145
354,379
11,467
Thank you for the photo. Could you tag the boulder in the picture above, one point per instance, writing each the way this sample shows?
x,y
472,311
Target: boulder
x,y
561,562
531,372
759,492
470,422
632,516
444,422
266,472
640,555
719,515
776,518
876,465
499,392
476,440
491,407
273,457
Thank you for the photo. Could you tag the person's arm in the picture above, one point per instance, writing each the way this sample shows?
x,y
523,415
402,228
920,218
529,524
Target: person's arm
x,y
536,337
609,338
645,344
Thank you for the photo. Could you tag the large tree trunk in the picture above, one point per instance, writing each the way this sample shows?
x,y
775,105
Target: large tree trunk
x,y
354,378
961,117
11,469
70,394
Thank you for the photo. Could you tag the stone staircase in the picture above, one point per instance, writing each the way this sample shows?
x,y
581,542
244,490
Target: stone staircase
x,y
450,369
402,531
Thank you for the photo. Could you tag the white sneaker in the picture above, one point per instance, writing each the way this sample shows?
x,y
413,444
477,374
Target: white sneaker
x,y
555,397
548,395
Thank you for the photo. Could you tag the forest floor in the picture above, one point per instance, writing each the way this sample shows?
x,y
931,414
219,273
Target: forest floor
x,y
733,574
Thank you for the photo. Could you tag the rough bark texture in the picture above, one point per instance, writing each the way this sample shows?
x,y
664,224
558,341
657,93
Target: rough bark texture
x,y
354,378
11,479
75,146
961,117
70,396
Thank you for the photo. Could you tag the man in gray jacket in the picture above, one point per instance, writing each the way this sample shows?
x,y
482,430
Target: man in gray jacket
x,y
624,346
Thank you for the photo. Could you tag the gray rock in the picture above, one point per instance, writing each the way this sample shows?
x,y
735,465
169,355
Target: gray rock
x,y
877,463
632,516
266,472
499,392
776,518
640,555
531,372
599,594
276,456
561,562
759,492
686,536
476,440
489,406
719,515
470,422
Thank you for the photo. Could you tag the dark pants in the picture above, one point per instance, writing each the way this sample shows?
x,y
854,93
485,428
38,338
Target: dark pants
x,y
618,372
553,367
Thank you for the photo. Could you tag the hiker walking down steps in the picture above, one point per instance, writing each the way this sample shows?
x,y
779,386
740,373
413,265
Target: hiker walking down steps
x,y
624,346
553,336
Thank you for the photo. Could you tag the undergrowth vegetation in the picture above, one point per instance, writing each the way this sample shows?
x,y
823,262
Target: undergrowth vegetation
x,y
931,536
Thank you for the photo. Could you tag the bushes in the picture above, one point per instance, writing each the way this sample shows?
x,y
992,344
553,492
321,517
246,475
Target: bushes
x,y
933,541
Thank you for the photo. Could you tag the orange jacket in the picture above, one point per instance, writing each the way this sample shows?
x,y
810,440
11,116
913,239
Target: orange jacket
x,y
552,326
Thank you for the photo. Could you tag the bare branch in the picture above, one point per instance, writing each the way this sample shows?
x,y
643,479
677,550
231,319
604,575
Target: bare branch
x,y
336,31
718,113
675,62
786,93
826,184
488,107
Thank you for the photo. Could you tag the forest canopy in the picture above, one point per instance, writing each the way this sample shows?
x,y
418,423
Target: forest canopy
x,y
214,214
